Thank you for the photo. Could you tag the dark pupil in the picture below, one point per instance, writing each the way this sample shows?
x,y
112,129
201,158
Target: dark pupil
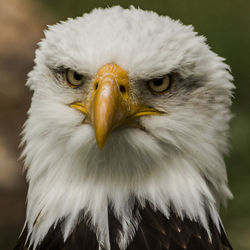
x,y
158,82
77,76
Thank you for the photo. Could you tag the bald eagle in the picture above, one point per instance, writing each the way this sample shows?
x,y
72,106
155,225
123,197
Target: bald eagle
x,y
125,136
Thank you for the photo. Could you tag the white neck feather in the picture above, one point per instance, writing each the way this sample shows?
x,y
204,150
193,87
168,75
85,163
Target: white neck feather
x,y
70,174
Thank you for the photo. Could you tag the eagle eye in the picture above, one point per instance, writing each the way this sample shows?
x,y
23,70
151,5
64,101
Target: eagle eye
x,y
160,85
73,78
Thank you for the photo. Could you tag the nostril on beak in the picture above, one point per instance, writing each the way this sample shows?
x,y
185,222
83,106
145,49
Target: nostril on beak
x,y
96,86
122,89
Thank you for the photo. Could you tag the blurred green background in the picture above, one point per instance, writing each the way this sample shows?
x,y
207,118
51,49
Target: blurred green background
x,y
225,23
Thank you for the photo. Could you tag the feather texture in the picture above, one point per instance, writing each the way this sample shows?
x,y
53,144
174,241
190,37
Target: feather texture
x,y
154,232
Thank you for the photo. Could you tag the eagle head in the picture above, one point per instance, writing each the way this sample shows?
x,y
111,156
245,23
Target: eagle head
x,y
127,106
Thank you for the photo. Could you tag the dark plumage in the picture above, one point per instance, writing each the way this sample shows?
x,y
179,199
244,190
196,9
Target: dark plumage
x,y
154,232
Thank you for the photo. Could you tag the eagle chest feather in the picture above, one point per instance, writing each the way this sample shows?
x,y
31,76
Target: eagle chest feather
x,y
154,232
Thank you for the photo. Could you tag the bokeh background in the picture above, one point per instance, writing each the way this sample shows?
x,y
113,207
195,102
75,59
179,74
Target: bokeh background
x,y
226,24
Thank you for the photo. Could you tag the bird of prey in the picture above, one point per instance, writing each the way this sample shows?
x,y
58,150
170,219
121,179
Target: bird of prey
x,y
125,136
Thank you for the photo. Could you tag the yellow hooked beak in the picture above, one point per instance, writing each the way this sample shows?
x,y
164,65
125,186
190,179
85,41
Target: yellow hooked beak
x,y
110,105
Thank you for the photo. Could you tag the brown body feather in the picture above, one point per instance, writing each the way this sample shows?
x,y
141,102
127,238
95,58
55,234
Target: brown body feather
x,y
154,232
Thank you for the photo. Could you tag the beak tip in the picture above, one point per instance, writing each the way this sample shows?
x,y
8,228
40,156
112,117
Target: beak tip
x,y
100,145
101,141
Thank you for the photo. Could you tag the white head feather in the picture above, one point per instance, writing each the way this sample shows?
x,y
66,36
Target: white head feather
x,y
177,160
